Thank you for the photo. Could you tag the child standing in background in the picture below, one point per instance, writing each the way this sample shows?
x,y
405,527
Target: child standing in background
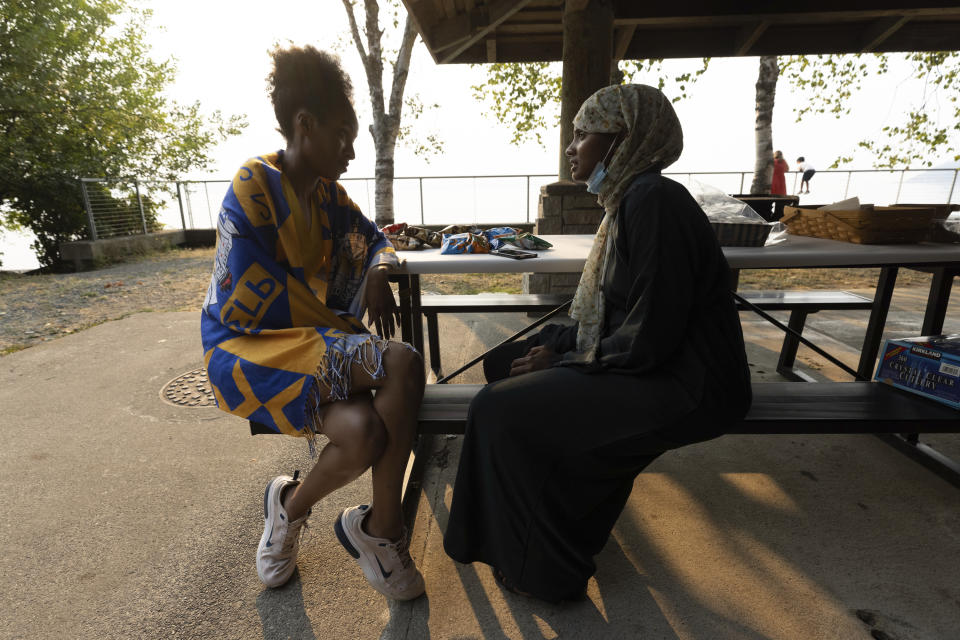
x,y
808,171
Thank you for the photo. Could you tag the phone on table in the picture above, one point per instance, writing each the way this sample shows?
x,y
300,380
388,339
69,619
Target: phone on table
x,y
516,254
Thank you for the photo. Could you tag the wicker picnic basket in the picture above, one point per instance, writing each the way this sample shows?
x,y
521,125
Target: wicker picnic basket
x,y
867,225
741,234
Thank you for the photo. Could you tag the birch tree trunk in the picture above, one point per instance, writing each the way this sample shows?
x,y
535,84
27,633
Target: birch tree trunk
x,y
386,117
763,129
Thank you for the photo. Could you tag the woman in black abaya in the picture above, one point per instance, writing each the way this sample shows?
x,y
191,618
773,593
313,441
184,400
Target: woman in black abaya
x,y
655,361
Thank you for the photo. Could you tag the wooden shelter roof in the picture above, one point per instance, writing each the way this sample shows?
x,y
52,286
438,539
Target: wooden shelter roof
x,y
476,31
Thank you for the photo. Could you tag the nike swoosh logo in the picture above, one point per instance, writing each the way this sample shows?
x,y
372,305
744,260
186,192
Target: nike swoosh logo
x,y
386,574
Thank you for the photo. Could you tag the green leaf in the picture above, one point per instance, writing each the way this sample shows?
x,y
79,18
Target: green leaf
x,y
80,96
829,82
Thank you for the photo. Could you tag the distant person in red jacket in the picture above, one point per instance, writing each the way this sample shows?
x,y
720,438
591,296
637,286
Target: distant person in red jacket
x,y
780,167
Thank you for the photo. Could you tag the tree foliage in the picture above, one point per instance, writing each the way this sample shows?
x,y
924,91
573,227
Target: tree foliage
x,y
526,96
80,96
930,126
378,46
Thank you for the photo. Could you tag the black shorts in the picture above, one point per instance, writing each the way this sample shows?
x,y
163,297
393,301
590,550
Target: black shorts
x,y
808,174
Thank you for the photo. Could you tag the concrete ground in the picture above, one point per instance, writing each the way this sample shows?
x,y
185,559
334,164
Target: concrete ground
x,y
129,517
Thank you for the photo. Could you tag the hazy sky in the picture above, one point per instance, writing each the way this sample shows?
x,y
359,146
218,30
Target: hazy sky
x,y
221,49
223,62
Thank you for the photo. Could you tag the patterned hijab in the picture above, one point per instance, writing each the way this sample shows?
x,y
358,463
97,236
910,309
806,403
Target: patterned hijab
x,y
653,138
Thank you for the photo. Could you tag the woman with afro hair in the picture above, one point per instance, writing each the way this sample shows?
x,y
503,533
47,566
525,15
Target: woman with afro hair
x,y
297,266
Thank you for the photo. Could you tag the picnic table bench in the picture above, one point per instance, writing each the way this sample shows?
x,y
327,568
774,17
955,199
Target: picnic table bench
x,y
799,303
778,408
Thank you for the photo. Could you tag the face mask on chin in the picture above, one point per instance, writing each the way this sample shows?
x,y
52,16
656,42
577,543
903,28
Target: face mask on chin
x,y
599,173
597,176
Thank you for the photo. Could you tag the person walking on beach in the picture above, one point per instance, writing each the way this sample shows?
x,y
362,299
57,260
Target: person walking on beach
x,y
808,171
297,264
778,186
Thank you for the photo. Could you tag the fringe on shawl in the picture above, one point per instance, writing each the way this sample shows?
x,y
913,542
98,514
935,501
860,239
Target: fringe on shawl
x,y
333,373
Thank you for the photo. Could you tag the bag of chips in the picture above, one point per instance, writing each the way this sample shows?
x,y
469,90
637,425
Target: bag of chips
x,y
497,235
454,229
394,229
426,236
404,243
527,240
464,243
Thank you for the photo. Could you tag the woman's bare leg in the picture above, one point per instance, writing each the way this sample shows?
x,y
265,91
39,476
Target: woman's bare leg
x,y
357,440
397,401
364,433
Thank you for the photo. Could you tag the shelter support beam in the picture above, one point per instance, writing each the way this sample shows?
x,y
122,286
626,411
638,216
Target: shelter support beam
x,y
879,31
454,35
748,36
587,55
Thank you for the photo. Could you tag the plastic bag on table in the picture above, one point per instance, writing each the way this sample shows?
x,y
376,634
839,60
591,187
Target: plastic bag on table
x,y
947,230
720,207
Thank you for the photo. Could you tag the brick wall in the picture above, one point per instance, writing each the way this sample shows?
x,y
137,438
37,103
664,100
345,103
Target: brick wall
x,y
564,208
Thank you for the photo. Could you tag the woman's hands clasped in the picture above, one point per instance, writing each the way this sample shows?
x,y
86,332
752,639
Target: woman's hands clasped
x,y
382,311
539,357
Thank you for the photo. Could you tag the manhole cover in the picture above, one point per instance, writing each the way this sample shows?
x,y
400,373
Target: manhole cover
x,y
192,389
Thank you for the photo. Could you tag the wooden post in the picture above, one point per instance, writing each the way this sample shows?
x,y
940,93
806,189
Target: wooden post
x,y
587,54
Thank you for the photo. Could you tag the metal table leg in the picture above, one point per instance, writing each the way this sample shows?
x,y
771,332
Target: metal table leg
x,y
416,314
878,318
937,301
406,315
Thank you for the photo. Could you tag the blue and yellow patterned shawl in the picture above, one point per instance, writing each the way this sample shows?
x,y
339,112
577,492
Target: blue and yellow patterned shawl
x,y
282,309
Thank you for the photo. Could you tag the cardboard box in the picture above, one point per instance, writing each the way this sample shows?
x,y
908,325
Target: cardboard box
x,y
928,366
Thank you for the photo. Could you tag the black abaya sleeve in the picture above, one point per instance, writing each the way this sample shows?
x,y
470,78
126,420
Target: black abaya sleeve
x,y
664,257
662,261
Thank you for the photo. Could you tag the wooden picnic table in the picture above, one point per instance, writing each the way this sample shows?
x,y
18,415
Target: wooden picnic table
x,y
569,254
796,252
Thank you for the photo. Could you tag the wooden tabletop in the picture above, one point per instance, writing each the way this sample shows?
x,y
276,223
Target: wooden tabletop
x,y
569,253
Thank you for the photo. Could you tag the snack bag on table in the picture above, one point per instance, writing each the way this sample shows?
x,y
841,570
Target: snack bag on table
x,y
498,235
527,240
464,243
404,243
426,236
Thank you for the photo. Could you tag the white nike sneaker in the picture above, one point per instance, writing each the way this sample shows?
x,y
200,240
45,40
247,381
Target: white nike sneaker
x,y
280,542
386,564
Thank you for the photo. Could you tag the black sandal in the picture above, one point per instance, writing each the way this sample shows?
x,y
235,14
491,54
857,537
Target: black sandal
x,y
509,586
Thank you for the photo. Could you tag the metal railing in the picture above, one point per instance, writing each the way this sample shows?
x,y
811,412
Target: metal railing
x,y
127,206
123,207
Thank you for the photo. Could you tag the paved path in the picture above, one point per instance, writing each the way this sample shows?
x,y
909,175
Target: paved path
x,y
128,517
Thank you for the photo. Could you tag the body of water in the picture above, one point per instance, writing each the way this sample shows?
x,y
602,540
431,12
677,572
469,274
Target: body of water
x,y
493,199
15,251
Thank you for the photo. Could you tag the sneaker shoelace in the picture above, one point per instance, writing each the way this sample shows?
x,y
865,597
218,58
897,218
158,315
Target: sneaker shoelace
x,y
297,536
288,539
401,549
